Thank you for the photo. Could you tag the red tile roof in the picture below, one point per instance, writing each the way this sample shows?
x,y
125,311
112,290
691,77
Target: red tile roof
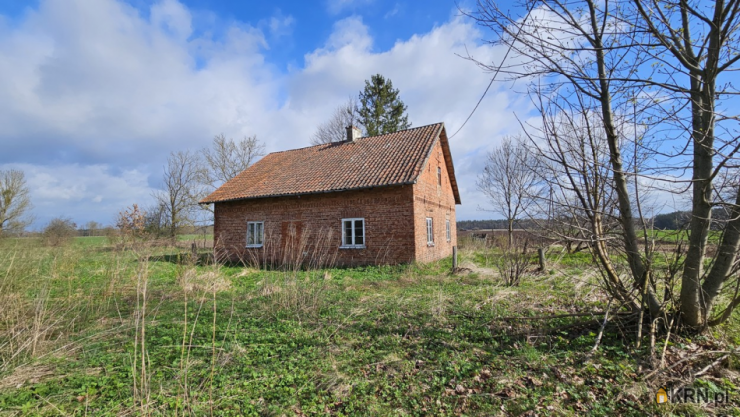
x,y
392,159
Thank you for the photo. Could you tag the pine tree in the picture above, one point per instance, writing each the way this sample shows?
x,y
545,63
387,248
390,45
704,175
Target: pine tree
x,y
381,111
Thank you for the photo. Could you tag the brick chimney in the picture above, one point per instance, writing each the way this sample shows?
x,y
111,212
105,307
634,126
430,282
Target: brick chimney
x,y
353,133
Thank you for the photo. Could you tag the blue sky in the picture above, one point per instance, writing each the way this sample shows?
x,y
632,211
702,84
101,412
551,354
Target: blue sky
x,y
96,93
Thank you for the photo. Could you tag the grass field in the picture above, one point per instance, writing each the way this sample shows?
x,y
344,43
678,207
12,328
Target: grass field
x,y
672,236
393,340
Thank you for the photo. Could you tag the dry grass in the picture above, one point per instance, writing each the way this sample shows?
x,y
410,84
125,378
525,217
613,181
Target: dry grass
x,y
33,321
27,374
300,294
192,281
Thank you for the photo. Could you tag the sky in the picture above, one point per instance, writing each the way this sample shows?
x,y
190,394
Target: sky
x,y
97,93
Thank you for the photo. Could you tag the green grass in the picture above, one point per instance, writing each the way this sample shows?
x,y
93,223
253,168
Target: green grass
x,y
388,340
196,237
673,236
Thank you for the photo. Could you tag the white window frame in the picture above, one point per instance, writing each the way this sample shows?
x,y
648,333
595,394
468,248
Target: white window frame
x,y
449,232
430,231
354,245
261,235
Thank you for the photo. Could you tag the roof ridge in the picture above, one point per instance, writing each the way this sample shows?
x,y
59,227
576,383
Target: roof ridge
x,y
362,138
404,130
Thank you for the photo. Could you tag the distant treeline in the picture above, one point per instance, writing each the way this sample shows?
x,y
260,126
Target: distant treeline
x,y
680,220
670,221
492,224
108,230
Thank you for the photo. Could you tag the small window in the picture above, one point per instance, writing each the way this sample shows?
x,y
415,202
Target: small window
x,y
353,233
439,175
255,234
430,232
449,233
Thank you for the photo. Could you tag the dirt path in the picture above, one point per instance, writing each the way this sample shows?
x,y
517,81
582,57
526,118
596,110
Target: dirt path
x,y
478,269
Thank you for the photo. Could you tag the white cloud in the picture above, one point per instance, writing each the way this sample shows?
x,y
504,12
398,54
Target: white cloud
x,y
279,25
82,192
173,17
394,11
96,96
94,82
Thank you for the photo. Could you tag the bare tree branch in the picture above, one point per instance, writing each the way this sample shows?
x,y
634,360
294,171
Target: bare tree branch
x,y
335,129
507,180
15,202
182,190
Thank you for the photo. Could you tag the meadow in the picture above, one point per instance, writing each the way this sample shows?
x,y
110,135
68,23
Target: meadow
x,y
88,329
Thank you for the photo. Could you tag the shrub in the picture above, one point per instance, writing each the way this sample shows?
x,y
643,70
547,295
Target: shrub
x,y
512,264
131,227
59,231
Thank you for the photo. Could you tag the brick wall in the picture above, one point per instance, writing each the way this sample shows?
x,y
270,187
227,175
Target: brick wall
x,y
307,229
437,202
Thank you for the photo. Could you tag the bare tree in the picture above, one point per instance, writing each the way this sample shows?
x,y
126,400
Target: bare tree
x,y
699,43
662,63
335,129
15,202
508,180
156,221
576,173
570,47
182,190
92,228
226,158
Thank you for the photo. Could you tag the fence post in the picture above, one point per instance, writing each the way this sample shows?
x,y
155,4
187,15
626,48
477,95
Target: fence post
x,y
454,259
541,254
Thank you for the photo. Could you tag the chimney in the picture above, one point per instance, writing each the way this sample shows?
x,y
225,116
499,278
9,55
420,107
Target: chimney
x,y
353,133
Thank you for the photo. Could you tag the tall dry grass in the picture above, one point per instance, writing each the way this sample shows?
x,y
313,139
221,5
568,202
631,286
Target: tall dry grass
x,y
42,301
54,300
292,267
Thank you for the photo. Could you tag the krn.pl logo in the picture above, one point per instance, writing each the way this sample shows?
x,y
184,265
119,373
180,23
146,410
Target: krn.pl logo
x,y
696,395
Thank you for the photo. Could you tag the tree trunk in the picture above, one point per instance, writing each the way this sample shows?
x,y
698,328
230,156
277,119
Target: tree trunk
x,y
702,114
725,259
511,232
626,217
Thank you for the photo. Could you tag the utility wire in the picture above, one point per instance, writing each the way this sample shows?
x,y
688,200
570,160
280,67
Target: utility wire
x,y
519,30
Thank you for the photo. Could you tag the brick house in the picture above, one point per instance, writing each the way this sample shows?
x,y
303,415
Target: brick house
x,y
375,200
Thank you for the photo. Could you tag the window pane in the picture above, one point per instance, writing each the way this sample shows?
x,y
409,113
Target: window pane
x,y
359,235
259,233
250,233
348,232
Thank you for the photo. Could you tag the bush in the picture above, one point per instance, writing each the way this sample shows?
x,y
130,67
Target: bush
x,y
59,231
131,228
512,264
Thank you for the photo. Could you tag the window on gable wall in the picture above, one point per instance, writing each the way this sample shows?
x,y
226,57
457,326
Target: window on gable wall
x,y
353,233
255,234
449,232
439,176
430,232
